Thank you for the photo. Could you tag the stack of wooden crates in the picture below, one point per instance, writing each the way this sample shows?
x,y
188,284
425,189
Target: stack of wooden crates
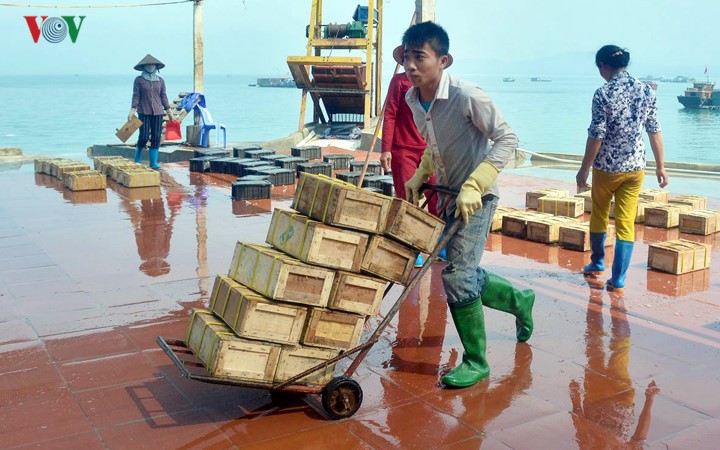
x,y
303,300
75,175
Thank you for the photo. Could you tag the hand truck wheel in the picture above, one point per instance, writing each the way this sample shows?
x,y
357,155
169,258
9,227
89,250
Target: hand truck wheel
x,y
341,397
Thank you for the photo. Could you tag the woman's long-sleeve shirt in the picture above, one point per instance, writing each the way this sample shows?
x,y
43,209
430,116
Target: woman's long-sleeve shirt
x,y
149,97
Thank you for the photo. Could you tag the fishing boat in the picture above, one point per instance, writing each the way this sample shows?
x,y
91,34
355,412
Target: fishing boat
x,y
509,80
702,95
652,83
540,80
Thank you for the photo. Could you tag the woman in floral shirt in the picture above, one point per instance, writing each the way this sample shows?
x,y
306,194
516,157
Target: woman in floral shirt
x,y
616,151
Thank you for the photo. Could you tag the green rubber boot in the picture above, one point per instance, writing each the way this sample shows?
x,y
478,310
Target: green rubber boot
x,y
470,323
498,293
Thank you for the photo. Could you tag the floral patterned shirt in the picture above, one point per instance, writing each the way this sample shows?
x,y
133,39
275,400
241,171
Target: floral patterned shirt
x,y
620,110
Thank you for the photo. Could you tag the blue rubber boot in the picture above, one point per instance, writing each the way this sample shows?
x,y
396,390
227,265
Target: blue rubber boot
x,y
154,153
138,155
597,258
419,261
442,255
621,262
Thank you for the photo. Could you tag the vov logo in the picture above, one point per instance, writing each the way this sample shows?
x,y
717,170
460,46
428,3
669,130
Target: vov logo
x,y
54,29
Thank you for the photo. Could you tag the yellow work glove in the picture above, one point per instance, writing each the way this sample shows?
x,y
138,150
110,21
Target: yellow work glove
x,y
470,197
424,171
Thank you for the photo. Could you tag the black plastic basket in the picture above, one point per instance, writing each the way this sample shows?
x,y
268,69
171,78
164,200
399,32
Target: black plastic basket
x,y
375,181
201,164
239,152
388,187
251,189
244,167
234,166
348,177
272,158
290,163
256,154
310,152
217,152
374,167
339,162
218,165
373,189
316,168
255,170
278,176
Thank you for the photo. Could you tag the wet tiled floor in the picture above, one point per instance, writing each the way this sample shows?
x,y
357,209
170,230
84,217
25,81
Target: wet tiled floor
x,y
88,280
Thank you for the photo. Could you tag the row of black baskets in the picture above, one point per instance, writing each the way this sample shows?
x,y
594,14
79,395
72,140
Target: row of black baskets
x,y
259,169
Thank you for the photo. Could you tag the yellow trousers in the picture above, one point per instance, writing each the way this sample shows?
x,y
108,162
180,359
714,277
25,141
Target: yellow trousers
x,y
625,186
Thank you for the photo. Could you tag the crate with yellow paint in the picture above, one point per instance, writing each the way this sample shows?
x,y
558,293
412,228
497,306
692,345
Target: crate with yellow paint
x,y
576,236
413,226
253,316
700,221
679,256
84,180
532,197
515,223
295,360
279,276
314,242
138,177
655,195
559,206
666,215
695,201
501,211
341,204
225,355
547,229
359,294
333,329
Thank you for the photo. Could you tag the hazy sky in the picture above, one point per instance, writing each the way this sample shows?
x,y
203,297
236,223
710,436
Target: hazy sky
x,y
254,37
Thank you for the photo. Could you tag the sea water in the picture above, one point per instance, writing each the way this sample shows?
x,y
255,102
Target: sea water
x,y
63,115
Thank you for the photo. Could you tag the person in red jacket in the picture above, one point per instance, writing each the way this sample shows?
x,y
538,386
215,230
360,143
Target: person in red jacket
x,y
402,144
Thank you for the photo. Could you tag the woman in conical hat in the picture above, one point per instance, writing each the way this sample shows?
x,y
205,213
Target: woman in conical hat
x,y
150,101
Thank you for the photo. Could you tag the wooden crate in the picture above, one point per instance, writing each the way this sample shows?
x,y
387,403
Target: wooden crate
x,y
655,195
547,229
413,226
576,236
501,211
355,293
558,206
678,256
666,216
333,329
134,178
695,201
279,276
59,168
515,223
316,243
128,128
532,197
587,198
113,168
389,260
228,356
100,161
334,202
297,359
700,221
84,180
253,316
42,165
642,204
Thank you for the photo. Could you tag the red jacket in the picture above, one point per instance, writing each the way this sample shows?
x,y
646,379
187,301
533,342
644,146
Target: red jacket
x,y
399,131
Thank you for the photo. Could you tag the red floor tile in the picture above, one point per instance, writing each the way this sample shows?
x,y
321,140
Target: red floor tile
x,y
486,443
84,441
89,346
107,371
41,420
192,429
325,437
136,401
413,425
144,335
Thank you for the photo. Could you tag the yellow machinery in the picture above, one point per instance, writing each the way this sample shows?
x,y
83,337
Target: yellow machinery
x,y
341,87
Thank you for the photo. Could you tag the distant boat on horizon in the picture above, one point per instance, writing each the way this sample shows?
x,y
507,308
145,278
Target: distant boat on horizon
x,y
509,80
276,82
540,80
652,83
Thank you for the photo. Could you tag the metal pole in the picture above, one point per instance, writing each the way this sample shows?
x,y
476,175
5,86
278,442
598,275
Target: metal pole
x,y
424,11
